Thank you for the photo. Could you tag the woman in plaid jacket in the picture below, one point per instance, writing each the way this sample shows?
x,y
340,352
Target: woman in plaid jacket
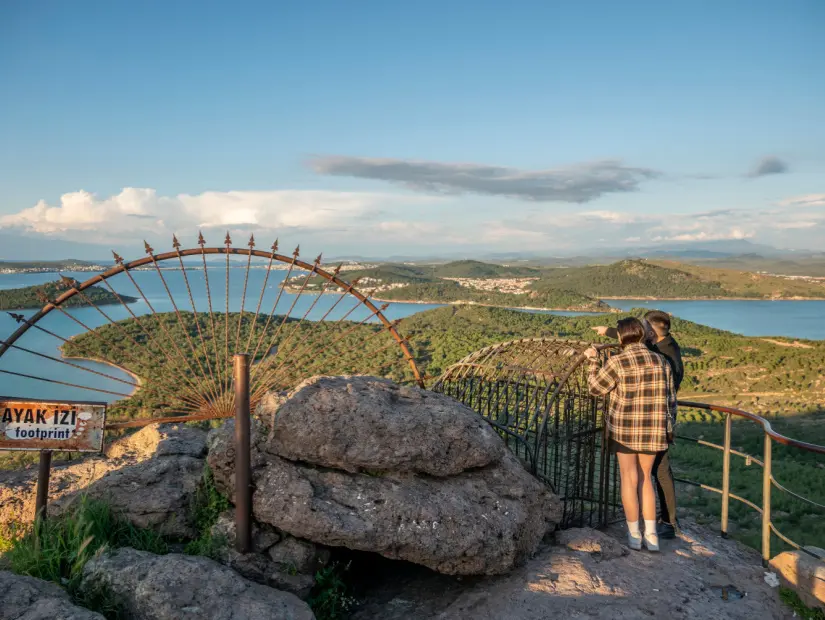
x,y
642,409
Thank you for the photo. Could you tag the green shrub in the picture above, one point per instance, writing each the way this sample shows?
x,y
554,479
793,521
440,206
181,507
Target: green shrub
x,y
209,504
330,599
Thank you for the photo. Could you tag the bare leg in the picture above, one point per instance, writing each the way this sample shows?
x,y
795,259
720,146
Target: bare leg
x,y
648,490
628,469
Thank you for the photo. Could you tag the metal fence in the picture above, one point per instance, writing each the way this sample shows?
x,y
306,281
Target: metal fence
x,y
769,482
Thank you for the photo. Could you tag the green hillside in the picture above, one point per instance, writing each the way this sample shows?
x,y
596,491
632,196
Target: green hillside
x,y
477,269
447,291
629,278
27,297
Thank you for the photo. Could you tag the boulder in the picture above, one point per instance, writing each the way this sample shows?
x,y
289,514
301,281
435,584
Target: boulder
x,y
447,495
27,598
803,573
18,488
182,587
155,494
369,424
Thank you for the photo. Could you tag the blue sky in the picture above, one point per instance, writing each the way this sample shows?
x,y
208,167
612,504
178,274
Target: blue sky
x,y
385,127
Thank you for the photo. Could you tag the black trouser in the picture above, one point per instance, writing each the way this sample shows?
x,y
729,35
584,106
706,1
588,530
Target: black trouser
x,y
665,488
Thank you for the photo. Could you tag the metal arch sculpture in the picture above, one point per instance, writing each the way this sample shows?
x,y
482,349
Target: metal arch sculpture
x,y
202,389
534,392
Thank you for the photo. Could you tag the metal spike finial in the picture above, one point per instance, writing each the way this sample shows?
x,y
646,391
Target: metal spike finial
x,y
228,240
67,281
384,307
147,247
251,243
318,259
175,242
297,251
201,240
118,258
355,281
17,317
337,270
41,295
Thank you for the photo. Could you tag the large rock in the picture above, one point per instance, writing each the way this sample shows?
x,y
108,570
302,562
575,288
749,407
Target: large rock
x,y
365,423
27,598
804,573
18,488
482,514
182,587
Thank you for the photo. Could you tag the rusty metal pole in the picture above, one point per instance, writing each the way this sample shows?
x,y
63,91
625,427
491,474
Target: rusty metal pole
x,y
243,469
43,474
766,503
726,477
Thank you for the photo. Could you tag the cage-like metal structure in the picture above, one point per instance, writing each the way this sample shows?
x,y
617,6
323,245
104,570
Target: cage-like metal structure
x,y
534,393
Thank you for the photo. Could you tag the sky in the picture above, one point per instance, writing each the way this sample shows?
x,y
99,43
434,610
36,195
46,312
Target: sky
x,y
422,128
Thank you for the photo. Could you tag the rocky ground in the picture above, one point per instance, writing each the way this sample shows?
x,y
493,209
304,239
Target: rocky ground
x,y
589,574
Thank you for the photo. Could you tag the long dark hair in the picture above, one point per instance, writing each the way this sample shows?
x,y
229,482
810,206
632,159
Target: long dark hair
x,y
630,331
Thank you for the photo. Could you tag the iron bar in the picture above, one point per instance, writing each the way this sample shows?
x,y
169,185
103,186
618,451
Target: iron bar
x,y
68,363
243,468
261,298
251,245
74,385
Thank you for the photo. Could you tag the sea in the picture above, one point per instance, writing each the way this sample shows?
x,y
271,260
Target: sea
x,y
793,319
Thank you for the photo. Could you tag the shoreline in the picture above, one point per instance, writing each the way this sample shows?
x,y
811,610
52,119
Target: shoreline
x,y
126,371
608,310
636,297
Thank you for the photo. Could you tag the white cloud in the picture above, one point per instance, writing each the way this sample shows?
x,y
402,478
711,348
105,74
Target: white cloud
x,y
810,200
136,212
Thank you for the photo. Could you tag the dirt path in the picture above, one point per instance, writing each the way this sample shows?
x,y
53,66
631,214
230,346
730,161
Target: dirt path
x,y
698,577
794,345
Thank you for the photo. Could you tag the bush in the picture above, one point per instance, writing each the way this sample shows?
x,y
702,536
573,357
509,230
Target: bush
x,y
58,549
329,599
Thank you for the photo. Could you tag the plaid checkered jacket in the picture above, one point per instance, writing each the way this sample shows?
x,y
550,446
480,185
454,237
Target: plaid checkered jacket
x,y
642,397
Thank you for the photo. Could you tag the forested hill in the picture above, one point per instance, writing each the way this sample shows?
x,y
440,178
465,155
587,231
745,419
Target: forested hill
x,y
27,297
447,291
392,273
663,280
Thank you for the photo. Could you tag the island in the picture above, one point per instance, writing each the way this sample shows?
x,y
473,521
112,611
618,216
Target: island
x,y
29,296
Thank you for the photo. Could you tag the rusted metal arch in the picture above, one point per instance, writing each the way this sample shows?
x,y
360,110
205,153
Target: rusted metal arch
x,y
308,271
552,362
147,260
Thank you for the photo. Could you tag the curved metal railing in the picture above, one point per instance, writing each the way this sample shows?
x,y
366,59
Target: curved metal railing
x,y
769,482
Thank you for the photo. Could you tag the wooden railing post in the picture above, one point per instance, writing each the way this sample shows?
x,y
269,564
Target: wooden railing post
x,y
766,503
243,469
726,476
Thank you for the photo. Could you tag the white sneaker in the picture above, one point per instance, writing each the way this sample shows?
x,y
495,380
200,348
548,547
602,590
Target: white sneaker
x,y
634,542
651,542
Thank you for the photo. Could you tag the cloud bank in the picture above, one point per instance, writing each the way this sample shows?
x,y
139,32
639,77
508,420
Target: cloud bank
x,y
140,211
577,183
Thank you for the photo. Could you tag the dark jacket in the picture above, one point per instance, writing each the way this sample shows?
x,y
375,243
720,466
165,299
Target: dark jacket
x,y
669,348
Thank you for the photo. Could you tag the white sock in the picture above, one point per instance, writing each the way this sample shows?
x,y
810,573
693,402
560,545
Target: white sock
x,y
633,528
650,527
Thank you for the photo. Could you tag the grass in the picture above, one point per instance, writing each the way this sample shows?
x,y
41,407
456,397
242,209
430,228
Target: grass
x,y
57,549
800,609
209,504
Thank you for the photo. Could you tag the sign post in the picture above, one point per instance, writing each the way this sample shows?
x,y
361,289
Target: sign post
x,y
48,425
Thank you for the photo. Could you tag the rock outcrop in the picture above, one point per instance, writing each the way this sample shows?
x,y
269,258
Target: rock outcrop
x,y
277,561
27,598
182,587
360,462
146,475
804,573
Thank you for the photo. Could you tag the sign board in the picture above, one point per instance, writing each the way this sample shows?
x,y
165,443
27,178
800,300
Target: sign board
x,y
51,425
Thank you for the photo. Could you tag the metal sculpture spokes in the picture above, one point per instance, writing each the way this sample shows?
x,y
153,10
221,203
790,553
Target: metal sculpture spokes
x,y
170,324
